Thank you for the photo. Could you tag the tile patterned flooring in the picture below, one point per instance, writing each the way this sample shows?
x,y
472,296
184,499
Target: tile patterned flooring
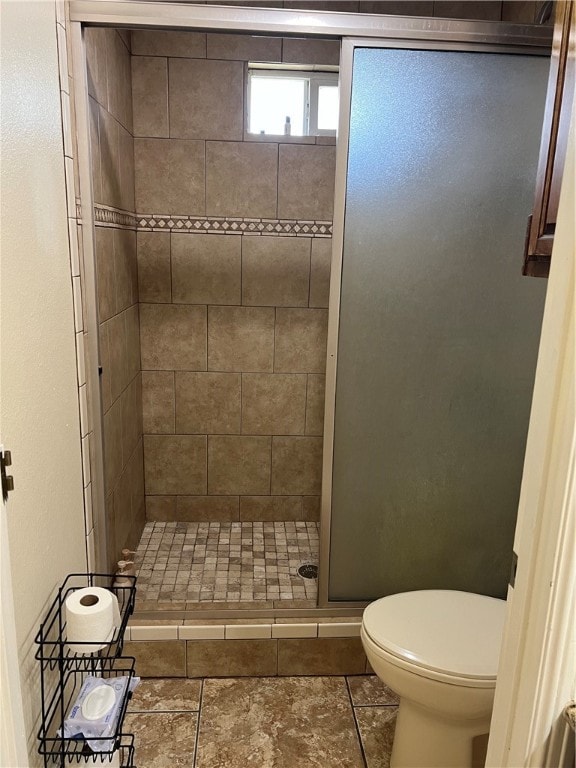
x,y
266,722
226,562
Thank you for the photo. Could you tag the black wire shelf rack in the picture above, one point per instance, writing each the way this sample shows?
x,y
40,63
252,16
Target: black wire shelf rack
x,y
64,667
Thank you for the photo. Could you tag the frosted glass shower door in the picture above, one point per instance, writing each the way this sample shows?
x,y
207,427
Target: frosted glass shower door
x,y
438,330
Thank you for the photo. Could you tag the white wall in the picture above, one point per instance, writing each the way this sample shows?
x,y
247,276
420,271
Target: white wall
x,y
39,418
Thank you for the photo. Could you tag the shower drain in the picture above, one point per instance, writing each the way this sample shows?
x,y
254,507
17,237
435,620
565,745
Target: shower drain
x,y
308,571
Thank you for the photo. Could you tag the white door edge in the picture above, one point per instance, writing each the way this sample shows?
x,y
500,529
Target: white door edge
x,y
13,752
537,662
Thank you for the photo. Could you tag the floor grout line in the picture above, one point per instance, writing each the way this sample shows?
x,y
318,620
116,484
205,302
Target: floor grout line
x,y
200,701
358,734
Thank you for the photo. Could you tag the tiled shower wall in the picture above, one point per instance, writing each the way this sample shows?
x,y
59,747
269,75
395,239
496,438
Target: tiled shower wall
x,y
233,326
112,149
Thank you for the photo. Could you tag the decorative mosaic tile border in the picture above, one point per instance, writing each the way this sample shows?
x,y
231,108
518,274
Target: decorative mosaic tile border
x,y
113,217
234,226
213,225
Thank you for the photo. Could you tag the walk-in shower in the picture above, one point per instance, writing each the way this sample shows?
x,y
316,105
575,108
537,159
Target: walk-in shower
x,y
215,327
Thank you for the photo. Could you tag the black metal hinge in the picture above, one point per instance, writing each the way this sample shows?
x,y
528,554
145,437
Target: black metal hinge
x,y
7,480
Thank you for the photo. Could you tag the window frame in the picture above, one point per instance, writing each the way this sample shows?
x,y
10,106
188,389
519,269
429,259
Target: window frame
x,y
313,78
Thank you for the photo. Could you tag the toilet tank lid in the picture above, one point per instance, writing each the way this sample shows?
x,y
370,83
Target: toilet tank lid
x,y
458,633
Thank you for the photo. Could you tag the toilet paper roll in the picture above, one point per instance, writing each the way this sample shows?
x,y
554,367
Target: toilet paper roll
x,y
92,615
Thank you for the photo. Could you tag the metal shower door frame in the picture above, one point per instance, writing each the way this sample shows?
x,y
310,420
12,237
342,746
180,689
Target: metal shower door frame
x,y
355,30
460,42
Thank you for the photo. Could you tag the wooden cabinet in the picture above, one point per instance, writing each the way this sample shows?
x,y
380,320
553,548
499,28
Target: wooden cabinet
x,y
559,101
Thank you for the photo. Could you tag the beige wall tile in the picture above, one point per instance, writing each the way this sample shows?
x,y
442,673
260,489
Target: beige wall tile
x,y
241,179
320,271
153,250
125,268
150,96
300,340
306,181
296,465
309,51
300,629
321,656
206,99
169,176
158,404
105,377
238,464
248,631
231,658
158,43
95,38
158,658
273,404
119,80
244,47
398,7
138,500
206,508
275,271
112,445
131,406
206,269
490,10
339,629
202,632
94,110
106,288
270,508
132,330
207,403
311,508
109,159
161,508
240,338
154,632
117,350
175,464
110,533
315,405
126,169
122,511
173,337
125,34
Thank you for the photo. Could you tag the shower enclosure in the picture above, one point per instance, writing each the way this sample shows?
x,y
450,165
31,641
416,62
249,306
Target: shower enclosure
x,y
432,330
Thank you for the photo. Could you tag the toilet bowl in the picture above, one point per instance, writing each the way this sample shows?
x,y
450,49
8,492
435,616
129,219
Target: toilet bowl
x,y
438,650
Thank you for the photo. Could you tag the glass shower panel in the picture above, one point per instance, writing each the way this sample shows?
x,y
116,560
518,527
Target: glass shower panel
x,y
438,329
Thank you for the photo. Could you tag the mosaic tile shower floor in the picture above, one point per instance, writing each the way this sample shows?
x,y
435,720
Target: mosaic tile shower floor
x,y
225,562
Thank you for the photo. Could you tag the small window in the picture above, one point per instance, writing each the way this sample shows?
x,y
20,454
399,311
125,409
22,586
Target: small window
x,y
295,102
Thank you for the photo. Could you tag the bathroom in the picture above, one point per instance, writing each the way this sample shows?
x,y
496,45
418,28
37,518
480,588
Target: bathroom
x,y
211,331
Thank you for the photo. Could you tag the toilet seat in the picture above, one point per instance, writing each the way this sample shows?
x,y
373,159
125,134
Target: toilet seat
x,y
448,636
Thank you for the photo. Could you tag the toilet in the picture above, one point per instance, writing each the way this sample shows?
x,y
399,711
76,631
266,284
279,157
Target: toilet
x,y
438,650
